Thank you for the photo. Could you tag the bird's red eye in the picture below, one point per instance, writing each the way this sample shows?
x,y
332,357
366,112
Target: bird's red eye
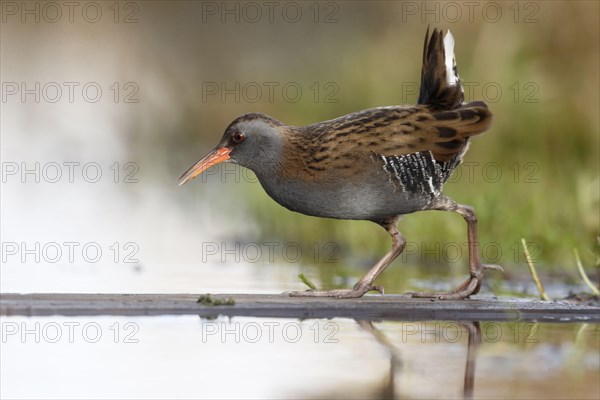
x,y
238,137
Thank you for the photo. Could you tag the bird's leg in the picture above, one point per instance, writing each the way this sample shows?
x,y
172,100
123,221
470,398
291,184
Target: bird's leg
x,y
365,284
473,283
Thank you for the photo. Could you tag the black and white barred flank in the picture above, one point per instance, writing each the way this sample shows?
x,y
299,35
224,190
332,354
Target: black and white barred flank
x,y
418,173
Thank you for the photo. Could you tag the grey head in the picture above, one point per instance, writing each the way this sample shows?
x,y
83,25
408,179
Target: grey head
x,y
252,140
256,141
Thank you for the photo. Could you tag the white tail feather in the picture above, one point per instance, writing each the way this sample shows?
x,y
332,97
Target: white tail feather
x,y
450,62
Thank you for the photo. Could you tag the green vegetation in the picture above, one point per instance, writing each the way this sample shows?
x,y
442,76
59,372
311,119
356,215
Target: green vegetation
x,y
207,300
307,282
534,275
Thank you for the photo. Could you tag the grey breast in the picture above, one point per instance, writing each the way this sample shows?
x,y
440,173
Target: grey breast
x,y
385,187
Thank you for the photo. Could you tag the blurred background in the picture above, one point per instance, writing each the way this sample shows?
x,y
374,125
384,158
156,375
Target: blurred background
x,y
138,91
105,104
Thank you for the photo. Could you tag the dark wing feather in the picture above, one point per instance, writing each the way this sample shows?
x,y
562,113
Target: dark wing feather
x,y
391,131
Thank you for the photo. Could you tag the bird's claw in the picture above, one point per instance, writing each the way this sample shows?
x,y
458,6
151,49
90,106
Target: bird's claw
x,y
353,293
370,288
465,289
494,267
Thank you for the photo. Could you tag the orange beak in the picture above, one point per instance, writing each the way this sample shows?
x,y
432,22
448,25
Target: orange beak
x,y
216,156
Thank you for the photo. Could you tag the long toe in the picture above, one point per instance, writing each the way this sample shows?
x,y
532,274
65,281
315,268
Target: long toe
x,y
338,293
495,267
462,291
368,288
316,293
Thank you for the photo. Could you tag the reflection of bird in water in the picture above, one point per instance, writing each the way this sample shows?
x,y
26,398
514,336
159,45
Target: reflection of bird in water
x,y
474,330
389,389
375,164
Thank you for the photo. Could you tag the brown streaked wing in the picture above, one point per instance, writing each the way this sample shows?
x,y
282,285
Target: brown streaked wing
x,y
339,144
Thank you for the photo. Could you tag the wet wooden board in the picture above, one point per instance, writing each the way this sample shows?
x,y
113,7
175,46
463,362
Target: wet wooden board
x,y
371,307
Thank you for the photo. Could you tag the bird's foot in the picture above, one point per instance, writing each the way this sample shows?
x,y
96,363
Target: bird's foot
x,y
462,291
495,267
354,293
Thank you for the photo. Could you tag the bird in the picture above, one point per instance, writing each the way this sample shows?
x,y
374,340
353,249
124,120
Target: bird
x,y
376,164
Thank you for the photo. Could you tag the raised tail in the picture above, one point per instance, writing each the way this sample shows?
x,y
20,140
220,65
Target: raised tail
x,y
441,91
440,85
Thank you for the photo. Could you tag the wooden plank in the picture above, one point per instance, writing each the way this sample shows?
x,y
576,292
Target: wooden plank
x,y
371,307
